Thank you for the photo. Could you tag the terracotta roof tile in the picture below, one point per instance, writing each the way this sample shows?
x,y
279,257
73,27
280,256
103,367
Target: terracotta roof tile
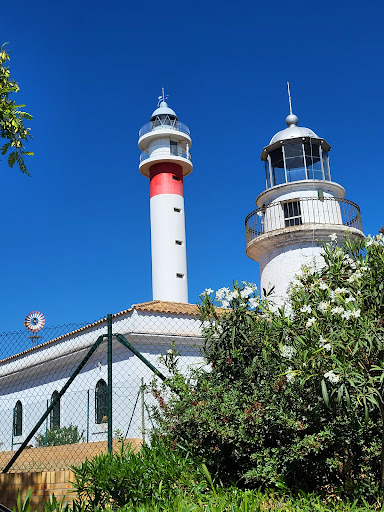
x,y
159,306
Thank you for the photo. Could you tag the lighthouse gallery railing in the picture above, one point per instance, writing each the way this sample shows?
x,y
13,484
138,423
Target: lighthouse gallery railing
x,y
300,211
167,123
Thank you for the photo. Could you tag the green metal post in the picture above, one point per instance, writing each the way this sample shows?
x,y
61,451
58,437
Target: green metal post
x,y
142,410
13,427
46,427
123,340
109,362
88,416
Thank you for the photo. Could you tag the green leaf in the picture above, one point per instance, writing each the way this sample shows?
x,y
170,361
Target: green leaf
x,y
324,392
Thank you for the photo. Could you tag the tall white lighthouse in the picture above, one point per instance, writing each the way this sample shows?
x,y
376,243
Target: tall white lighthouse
x,y
300,208
166,159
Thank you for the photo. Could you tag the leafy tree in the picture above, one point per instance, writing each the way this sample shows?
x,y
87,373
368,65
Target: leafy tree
x,y
12,119
292,396
60,436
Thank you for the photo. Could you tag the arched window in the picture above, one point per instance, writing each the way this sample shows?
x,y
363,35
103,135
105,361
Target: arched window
x,y
54,419
101,401
18,419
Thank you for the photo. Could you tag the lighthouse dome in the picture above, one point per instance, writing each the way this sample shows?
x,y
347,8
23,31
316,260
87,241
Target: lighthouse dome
x,y
162,111
293,131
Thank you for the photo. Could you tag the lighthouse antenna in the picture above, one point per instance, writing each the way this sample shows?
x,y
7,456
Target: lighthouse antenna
x,y
163,97
289,99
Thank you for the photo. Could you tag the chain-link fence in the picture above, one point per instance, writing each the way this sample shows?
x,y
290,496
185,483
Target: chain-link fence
x,y
90,386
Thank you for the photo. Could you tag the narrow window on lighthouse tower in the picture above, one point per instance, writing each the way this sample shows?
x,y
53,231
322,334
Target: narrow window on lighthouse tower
x,y
173,145
180,276
177,210
292,213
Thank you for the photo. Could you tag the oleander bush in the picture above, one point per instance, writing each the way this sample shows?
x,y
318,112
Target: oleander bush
x,y
291,396
158,472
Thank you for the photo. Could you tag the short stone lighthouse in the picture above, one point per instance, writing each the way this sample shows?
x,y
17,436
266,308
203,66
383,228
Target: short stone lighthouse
x,y
300,208
165,159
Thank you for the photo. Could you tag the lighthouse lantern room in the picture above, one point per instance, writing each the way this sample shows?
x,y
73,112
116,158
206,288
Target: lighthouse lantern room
x,y
299,210
166,159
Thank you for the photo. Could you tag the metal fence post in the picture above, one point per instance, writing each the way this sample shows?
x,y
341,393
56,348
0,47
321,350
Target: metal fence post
x,y
142,410
87,415
46,427
109,326
13,427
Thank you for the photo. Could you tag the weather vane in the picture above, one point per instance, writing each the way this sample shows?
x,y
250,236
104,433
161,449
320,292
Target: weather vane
x,y
163,97
34,322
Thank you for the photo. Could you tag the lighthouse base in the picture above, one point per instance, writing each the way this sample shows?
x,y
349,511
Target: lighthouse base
x,y
280,266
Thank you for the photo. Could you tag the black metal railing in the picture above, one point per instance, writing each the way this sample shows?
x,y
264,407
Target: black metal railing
x,y
302,210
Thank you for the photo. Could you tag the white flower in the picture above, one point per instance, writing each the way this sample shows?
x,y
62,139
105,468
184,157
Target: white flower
x,y
233,295
350,299
253,303
221,293
296,283
332,377
341,290
207,291
290,375
347,314
306,309
356,313
323,286
170,351
323,306
333,237
338,310
287,351
246,292
354,277
225,304
325,346
310,322
273,308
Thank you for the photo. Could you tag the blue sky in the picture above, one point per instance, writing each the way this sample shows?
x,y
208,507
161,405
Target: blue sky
x,y
76,235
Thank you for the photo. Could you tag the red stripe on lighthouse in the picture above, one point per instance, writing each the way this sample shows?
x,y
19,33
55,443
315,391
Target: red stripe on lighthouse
x,y
166,178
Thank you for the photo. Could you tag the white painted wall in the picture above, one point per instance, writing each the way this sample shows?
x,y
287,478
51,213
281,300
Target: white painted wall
x,y
168,258
279,266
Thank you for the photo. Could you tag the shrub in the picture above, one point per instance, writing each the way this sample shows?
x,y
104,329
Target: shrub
x,y
60,436
157,472
294,396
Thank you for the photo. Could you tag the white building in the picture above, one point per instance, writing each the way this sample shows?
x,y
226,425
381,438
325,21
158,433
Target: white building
x,y
30,379
300,208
